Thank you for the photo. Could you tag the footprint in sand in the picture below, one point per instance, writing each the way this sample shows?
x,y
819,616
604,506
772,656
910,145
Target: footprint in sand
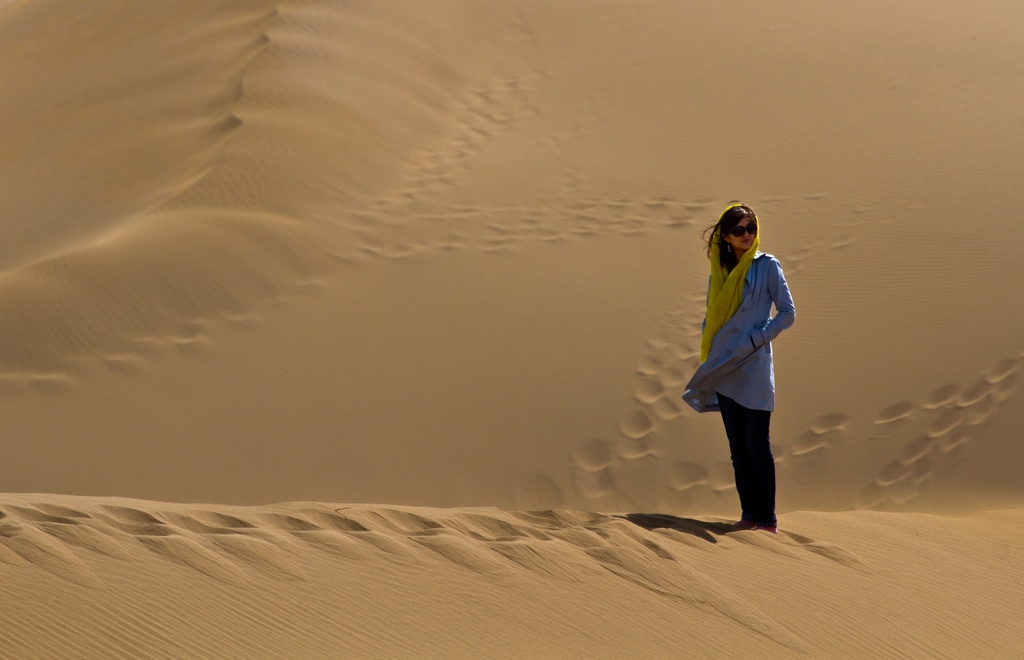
x,y
1002,370
973,393
940,396
952,442
916,449
829,422
593,485
648,391
810,467
637,426
722,477
671,377
945,421
947,410
830,551
894,413
591,455
636,430
649,366
809,455
667,409
980,412
685,475
806,443
590,474
1004,387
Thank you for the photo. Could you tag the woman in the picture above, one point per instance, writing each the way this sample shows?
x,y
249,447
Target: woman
x,y
737,376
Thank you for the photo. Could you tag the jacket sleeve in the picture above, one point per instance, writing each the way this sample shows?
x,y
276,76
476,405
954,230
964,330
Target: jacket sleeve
x,y
785,311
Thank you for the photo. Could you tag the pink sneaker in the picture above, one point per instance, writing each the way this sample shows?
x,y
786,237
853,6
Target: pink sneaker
x,y
767,528
742,524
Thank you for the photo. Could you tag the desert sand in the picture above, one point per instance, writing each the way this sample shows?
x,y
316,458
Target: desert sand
x,y
359,328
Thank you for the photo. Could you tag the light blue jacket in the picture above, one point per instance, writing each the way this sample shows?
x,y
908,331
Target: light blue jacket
x,y
740,362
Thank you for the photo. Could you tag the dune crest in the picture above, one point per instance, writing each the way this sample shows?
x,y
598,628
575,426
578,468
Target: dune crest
x,y
303,578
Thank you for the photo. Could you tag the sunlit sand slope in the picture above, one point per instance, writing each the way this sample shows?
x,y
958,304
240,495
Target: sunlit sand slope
x,y
447,253
114,577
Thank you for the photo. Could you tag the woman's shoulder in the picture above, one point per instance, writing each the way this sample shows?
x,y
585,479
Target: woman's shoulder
x,y
767,263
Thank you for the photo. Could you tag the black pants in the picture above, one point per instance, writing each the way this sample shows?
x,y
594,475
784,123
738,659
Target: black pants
x,y
751,459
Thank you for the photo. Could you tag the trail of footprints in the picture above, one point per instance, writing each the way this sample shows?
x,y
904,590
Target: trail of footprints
x,y
934,434
417,219
502,229
647,550
911,444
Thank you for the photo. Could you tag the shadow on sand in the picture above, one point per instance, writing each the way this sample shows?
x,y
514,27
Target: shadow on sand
x,y
702,529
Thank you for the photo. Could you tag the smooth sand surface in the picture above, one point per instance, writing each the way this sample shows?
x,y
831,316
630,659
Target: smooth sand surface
x,y
444,256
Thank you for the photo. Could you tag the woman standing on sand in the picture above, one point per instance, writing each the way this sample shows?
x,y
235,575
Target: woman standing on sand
x,y
737,376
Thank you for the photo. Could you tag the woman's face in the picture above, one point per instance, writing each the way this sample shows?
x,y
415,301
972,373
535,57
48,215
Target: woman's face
x,y
746,240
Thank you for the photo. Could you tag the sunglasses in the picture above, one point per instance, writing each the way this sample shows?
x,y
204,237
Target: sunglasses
x,y
738,231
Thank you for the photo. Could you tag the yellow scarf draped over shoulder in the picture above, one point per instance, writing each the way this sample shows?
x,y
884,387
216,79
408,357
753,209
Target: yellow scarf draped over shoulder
x,y
726,290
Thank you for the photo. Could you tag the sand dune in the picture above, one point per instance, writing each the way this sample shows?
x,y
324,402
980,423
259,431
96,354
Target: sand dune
x,y
141,578
433,254
447,255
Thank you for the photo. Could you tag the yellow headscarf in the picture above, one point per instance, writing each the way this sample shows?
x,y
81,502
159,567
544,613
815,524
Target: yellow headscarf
x,y
726,290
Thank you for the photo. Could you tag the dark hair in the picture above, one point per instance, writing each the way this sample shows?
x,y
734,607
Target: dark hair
x,y
729,219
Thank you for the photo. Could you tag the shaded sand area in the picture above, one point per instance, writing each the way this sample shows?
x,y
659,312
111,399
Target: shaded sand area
x,y
96,577
446,254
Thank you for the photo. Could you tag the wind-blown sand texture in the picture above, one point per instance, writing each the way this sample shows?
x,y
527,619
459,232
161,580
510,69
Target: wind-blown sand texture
x,y
97,577
444,256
